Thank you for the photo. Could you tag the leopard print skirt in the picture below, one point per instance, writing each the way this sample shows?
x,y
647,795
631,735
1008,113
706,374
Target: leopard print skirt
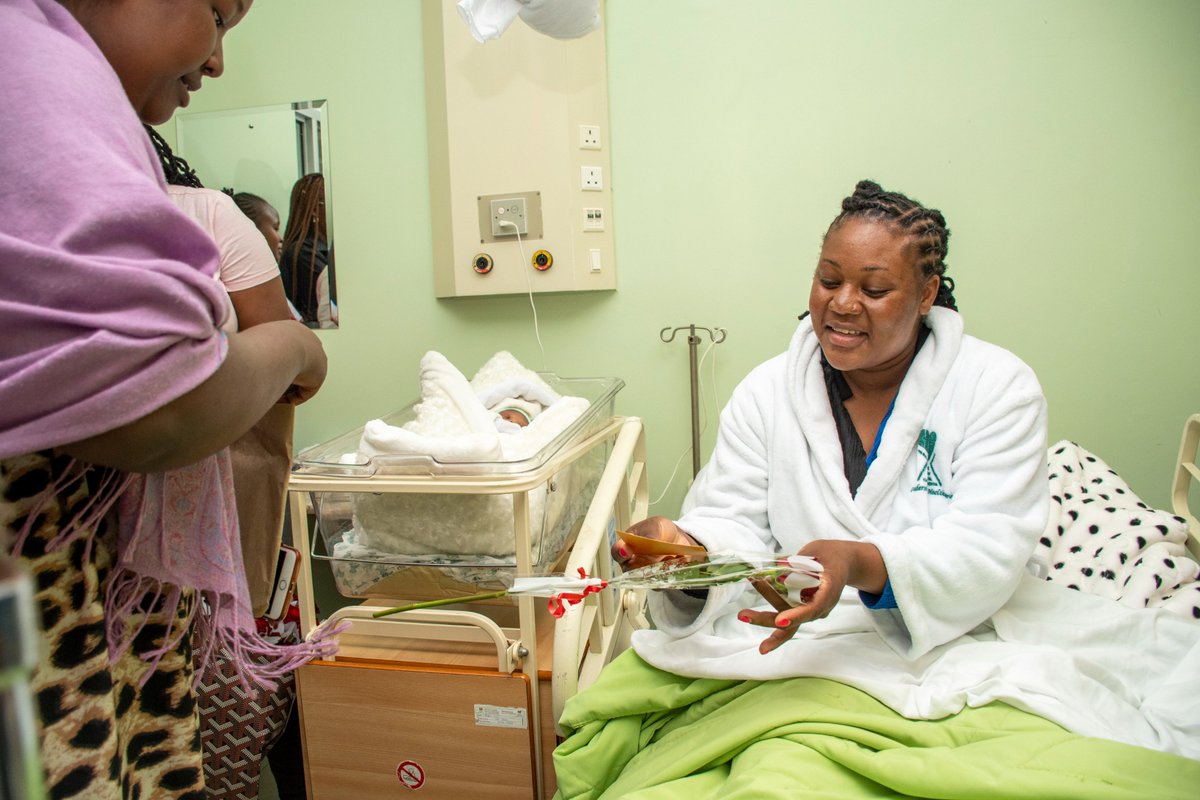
x,y
104,735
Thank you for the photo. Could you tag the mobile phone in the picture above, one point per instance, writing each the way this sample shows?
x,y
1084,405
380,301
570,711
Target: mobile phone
x,y
285,581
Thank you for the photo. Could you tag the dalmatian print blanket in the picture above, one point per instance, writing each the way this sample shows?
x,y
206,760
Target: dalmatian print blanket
x,y
1102,539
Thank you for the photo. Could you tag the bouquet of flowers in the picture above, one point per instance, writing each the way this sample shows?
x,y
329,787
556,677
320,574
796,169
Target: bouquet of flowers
x,y
779,578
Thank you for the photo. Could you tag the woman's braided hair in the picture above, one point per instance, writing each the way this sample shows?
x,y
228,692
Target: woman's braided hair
x,y
175,169
925,226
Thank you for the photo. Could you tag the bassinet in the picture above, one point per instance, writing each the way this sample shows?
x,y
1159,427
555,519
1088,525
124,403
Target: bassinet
x,y
488,665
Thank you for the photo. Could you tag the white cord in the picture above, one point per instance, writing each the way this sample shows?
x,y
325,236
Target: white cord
x,y
712,380
671,479
703,416
529,285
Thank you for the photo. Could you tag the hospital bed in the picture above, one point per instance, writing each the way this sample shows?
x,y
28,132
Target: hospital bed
x,y
640,732
461,701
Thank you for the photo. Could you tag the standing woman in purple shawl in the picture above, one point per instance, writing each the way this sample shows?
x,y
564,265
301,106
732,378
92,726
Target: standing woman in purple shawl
x,y
113,369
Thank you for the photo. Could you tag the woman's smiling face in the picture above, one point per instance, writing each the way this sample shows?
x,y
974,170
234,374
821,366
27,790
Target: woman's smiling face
x,y
161,49
868,297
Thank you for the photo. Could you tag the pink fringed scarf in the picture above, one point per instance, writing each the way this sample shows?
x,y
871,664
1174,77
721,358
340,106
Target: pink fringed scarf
x,y
178,530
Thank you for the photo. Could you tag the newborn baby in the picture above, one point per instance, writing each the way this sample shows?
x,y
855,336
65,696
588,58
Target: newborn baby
x,y
515,412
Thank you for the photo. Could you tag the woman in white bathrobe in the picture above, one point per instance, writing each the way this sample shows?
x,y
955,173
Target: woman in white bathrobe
x,y
907,457
910,460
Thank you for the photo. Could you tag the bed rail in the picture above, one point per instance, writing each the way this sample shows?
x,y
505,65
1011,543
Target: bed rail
x,y
591,633
1187,474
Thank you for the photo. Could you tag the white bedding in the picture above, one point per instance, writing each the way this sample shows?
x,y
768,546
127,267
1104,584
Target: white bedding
x,y
1113,654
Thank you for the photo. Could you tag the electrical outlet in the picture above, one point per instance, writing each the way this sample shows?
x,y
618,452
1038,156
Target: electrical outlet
x,y
590,179
589,137
593,219
509,209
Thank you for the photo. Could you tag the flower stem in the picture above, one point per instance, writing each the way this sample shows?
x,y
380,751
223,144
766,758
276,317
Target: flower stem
x,y
443,602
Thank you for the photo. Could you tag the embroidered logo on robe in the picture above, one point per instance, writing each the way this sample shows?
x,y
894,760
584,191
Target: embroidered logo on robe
x,y
927,479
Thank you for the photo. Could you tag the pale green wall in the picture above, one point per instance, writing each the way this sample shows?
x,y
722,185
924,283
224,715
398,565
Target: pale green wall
x,y
248,151
1061,139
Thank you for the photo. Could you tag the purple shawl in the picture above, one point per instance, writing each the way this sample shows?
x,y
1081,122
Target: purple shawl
x,y
108,308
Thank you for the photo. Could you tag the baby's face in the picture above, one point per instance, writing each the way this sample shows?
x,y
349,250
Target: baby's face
x,y
512,415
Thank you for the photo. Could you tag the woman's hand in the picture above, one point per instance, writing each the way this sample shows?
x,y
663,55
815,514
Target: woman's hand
x,y
844,563
660,529
310,378
256,373
266,302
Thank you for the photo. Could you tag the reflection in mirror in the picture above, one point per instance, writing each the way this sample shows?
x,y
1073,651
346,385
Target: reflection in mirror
x,y
279,153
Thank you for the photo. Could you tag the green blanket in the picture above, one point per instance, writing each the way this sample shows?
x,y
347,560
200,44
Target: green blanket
x,y
642,734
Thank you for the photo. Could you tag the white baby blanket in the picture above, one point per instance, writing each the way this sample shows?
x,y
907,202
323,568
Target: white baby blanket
x,y
454,425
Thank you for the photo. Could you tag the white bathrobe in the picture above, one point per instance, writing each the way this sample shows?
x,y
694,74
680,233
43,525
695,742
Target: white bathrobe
x,y
955,501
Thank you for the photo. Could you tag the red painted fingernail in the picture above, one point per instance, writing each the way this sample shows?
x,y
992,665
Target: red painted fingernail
x,y
743,618
783,623
622,551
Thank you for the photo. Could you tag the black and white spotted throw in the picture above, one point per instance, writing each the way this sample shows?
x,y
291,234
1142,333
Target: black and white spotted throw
x,y
1102,539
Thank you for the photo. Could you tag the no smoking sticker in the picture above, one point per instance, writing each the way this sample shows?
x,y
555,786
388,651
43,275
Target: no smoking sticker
x,y
410,774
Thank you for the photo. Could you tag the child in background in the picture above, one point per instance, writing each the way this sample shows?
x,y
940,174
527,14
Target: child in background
x,y
265,217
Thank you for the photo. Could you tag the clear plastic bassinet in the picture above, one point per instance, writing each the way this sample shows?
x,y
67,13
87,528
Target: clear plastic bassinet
x,y
416,528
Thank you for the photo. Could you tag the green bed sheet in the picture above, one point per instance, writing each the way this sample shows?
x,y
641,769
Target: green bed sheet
x,y
643,734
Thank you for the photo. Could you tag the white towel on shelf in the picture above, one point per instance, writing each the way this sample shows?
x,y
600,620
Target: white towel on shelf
x,y
561,19
487,19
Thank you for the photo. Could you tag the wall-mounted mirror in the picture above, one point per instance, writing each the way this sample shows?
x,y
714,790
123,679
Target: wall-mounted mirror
x,y
281,154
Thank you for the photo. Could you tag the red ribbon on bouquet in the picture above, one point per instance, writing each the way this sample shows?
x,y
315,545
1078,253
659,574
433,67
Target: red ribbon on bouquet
x,y
559,602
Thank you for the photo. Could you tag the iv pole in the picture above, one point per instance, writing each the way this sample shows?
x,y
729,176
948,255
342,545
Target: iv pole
x,y
717,335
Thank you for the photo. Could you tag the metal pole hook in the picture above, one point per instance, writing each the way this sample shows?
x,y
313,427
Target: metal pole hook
x,y
716,334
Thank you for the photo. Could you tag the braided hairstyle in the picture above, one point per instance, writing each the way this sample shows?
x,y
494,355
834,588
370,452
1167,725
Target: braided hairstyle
x,y
250,204
176,170
306,217
926,227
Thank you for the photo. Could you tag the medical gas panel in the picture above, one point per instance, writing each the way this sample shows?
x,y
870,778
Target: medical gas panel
x,y
520,176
